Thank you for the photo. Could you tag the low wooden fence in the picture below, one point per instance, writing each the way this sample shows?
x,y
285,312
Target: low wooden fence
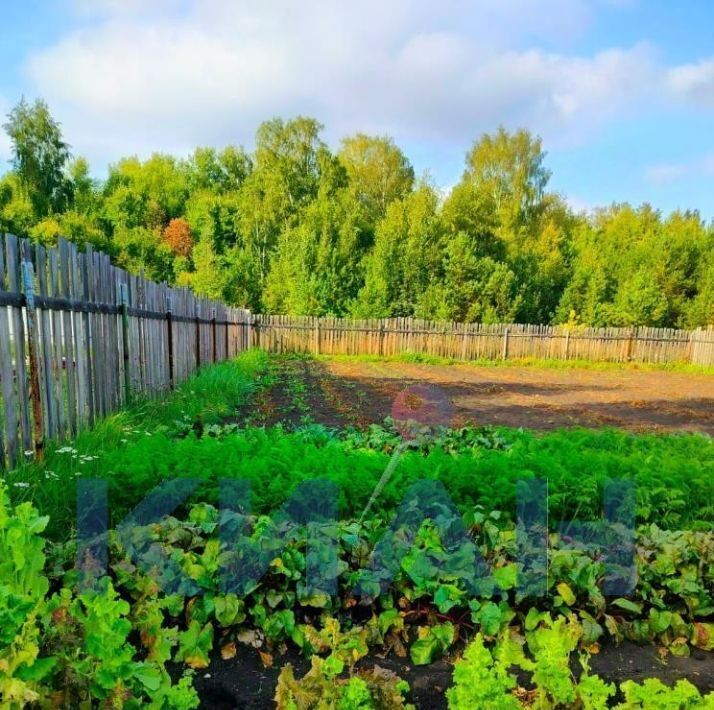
x,y
474,341
79,337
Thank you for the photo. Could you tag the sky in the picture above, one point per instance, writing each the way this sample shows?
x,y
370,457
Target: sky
x,y
621,91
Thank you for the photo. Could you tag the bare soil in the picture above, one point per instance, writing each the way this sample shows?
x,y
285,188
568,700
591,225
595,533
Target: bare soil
x,y
363,392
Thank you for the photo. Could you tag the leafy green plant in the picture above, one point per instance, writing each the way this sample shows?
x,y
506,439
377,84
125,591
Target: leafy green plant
x,y
482,681
70,649
23,587
322,689
111,647
95,662
652,694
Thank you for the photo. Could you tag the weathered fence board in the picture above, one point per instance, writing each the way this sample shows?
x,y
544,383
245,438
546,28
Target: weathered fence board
x,y
79,341
478,341
7,377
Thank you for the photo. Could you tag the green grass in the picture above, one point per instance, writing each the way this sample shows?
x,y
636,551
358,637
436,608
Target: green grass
x,y
553,364
209,396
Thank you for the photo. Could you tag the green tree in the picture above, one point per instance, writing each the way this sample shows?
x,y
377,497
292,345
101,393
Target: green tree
x,y
39,156
318,267
507,172
17,214
406,257
378,173
639,301
219,172
473,288
699,311
209,278
290,164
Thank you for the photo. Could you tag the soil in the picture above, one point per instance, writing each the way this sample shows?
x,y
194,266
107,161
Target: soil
x,y
244,682
357,393
279,403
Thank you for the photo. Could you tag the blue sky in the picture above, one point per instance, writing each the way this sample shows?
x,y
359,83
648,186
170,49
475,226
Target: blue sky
x,y
622,91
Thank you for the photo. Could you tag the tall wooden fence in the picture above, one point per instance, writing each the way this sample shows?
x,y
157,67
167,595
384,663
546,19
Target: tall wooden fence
x,y
79,337
474,341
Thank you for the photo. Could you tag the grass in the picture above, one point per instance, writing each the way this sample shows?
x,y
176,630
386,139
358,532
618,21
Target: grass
x,y
209,396
551,364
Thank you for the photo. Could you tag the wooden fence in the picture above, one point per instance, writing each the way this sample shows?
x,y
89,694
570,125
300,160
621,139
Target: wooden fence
x,y
79,337
474,341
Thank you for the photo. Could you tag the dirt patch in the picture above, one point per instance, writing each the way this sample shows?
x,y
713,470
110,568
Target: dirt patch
x,y
300,391
342,393
293,396
631,662
243,682
535,398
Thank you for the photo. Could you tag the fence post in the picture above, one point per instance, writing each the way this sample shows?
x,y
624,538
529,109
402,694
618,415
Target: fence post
x,y
213,332
317,336
227,327
28,282
567,344
505,344
380,344
124,308
170,342
630,345
198,339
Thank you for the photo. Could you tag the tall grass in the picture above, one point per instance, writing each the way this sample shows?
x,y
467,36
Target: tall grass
x,y
209,396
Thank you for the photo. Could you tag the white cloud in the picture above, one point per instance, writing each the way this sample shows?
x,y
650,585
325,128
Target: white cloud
x,y
694,82
139,79
664,173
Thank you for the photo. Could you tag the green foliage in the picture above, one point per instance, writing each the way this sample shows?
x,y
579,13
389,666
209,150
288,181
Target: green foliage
x,y
23,587
405,257
72,649
482,681
483,678
39,156
378,173
111,646
208,397
293,228
673,473
319,689
652,694
432,643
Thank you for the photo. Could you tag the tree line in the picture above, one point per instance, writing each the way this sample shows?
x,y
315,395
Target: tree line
x,y
294,227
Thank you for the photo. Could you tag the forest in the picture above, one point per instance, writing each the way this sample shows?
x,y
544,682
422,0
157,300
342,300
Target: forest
x,y
294,227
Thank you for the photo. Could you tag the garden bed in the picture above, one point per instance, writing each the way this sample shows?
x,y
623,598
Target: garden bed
x,y
284,423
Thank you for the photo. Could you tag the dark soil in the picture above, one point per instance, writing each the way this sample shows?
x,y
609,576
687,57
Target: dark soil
x,y
244,682
631,662
343,393
537,398
281,402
